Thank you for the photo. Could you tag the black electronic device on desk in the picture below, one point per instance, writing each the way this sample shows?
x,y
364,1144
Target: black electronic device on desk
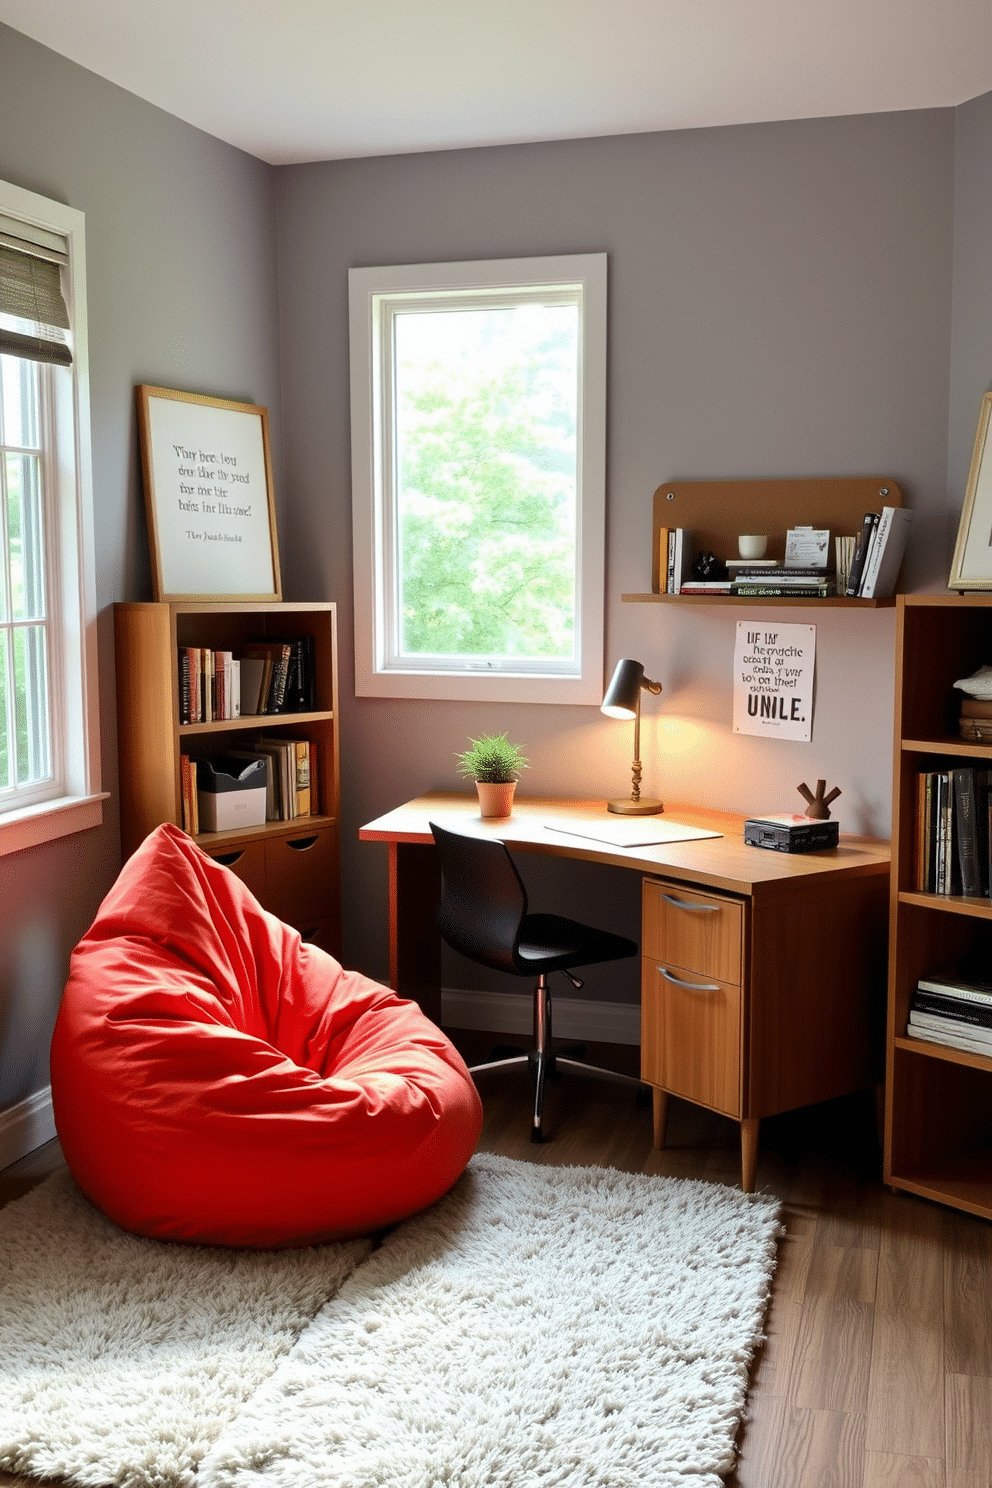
x,y
787,831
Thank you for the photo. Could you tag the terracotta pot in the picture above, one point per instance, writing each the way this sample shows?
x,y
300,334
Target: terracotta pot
x,y
495,800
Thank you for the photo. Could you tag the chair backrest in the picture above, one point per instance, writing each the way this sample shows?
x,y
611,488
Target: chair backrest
x,y
483,900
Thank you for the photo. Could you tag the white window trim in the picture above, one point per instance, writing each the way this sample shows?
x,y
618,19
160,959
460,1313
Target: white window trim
x,y
371,678
78,804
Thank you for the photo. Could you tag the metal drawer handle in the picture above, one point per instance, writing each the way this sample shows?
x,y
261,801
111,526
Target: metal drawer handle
x,y
689,986
688,904
300,844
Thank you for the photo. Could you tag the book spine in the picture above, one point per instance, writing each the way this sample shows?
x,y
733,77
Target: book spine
x,y
949,1027
662,560
187,806
194,798
676,585
302,777
958,1009
184,693
965,991
967,834
207,673
783,591
861,552
314,781
235,687
953,1040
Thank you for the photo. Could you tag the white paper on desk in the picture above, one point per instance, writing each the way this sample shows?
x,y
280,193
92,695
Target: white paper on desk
x,y
633,833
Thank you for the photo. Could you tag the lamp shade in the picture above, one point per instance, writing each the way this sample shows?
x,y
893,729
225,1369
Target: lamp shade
x,y
622,697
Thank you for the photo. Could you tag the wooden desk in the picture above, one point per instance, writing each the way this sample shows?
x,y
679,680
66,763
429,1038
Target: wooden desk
x,y
763,973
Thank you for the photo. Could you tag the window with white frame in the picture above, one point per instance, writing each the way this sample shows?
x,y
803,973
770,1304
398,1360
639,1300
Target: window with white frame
x,y
49,751
478,460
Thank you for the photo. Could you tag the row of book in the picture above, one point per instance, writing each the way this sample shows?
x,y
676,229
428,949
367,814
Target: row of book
x,y
290,780
878,553
953,832
265,677
951,1010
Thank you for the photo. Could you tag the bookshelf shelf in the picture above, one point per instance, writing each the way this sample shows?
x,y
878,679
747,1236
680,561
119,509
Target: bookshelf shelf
x,y
292,867
715,512
835,602
938,1117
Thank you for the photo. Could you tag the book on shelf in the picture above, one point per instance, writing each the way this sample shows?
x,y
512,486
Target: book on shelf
x,y
706,586
881,570
782,591
844,553
961,1009
781,573
253,675
301,775
971,806
662,560
235,688
972,707
868,525
957,985
681,560
973,1041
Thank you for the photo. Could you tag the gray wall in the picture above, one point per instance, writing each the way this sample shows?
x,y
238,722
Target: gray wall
x,y
180,238
779,305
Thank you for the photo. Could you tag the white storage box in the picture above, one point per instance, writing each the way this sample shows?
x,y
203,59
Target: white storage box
x,y
230,793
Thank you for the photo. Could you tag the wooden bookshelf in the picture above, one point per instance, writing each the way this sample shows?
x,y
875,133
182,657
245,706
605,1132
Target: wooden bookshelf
x,y
717,511
292,867
938,1106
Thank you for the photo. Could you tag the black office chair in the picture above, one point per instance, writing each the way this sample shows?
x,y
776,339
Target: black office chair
x,y
483,914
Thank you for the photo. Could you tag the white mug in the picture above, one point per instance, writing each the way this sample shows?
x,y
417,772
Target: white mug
x,y
750,546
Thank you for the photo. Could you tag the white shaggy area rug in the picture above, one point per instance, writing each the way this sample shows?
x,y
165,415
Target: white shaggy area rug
x,y
121,1359
538,1327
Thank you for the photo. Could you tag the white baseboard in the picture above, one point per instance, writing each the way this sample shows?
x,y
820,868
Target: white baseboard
x,y
513,1012
27,1125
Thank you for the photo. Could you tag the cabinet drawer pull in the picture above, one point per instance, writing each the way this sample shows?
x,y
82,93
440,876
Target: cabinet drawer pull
x,y
688,904
689,986
300,844
228,860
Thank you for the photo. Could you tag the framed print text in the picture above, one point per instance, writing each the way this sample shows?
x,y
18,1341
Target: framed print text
x,y
971,567
208,497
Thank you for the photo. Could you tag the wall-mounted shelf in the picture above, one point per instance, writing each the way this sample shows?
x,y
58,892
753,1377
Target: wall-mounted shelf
x,y
715,512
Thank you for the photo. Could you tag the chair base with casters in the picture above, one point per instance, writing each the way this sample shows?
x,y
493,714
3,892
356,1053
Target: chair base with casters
x,y
483,914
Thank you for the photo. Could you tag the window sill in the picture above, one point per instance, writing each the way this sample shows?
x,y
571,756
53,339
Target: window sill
x,y
48,820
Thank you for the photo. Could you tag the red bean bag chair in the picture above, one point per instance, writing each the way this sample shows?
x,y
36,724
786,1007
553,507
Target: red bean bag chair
x,y
215,1080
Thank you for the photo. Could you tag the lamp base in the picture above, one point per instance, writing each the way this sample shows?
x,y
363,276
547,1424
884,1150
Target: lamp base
x,y
629,807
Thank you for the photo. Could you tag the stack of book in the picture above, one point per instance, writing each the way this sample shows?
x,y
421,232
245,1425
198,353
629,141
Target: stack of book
x,y
976,720
952,1010
782,581
878,553
953,832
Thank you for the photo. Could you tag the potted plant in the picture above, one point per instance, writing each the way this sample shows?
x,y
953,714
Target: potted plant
x,y
494,764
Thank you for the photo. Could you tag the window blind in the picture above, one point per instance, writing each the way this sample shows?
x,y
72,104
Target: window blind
x,y
33,314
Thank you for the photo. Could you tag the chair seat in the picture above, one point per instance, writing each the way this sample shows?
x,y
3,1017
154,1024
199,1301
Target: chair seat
x,y
550,942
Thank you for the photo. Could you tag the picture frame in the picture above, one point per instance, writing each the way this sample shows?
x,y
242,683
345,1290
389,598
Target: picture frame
x,y
971,566
209,501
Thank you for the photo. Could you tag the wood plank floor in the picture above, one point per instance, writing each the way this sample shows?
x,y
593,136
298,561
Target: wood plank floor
x,y
876,1371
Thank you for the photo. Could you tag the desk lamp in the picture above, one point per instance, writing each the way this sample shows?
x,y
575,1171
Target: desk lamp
x,y
623,700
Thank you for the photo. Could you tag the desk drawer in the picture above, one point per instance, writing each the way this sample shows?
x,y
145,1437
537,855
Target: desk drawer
x,y
701,932
691,1036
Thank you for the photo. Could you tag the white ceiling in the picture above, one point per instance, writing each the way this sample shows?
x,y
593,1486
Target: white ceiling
x,y
296,80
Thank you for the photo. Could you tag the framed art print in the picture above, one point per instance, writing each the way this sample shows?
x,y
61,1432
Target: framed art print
x,y
208,497
971,567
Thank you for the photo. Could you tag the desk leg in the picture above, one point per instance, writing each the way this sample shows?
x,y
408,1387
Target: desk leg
x,y
749,1152
414,943
659,1110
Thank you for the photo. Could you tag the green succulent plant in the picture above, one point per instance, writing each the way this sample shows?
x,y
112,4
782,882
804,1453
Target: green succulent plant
x,y
492,759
